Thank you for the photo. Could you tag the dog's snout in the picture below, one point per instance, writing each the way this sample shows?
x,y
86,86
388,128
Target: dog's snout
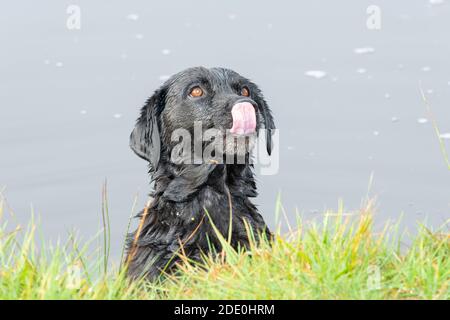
x,y
246,100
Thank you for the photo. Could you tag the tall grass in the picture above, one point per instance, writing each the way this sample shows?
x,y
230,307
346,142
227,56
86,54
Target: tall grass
x,y
436,128
339,258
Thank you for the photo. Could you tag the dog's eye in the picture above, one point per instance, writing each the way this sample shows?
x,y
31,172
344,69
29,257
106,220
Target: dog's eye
x,y
245,92
196,92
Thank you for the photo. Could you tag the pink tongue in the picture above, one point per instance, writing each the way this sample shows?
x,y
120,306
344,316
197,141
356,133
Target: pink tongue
x,y
244,118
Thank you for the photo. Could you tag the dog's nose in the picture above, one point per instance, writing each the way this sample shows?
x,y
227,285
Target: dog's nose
x,y
244,118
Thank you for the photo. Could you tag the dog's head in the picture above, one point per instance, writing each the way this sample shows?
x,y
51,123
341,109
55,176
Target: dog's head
x,y
215,98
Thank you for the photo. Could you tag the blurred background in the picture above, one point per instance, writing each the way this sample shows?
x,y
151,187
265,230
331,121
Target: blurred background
x,y
344,86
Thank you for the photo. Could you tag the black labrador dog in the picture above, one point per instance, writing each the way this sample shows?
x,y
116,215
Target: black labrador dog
x,y
191,196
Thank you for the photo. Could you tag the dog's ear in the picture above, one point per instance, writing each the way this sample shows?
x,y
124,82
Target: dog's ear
x,y
145,139
268,120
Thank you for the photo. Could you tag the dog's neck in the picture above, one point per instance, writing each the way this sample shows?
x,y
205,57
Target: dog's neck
x,y
179,183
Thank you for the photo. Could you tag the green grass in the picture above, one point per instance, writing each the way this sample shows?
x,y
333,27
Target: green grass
x,y
339,258
436,128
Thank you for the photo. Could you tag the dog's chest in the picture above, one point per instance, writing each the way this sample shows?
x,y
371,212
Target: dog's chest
x,y
209,203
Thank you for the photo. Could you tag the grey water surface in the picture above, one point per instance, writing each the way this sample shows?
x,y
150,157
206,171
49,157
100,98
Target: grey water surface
x,y
346,100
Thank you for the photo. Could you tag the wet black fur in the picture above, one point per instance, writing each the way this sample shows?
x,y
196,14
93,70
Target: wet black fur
x,y
183,192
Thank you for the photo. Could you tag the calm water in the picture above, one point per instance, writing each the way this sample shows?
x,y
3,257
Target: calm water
x,y
69,99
